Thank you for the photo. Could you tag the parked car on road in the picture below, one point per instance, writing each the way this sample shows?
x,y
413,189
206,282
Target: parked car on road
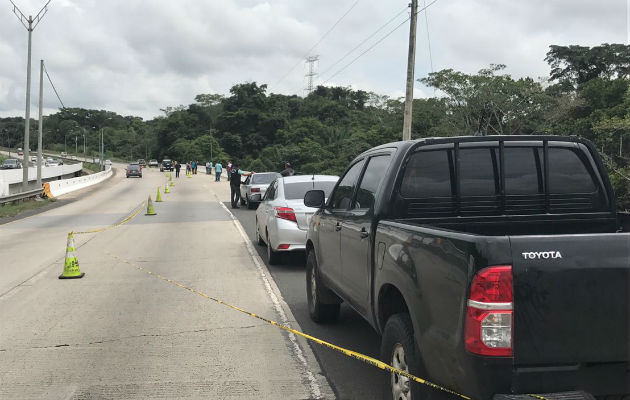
x,y
166,165
153,163
493,266
134,170
282,218
11,163
255,187
142,162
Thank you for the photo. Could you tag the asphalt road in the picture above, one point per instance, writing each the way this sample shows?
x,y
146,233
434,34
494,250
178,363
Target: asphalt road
x,y
121,333
349,378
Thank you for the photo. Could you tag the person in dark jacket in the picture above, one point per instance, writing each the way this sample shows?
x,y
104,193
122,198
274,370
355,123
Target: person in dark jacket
x,y
235,184
288,171
178,166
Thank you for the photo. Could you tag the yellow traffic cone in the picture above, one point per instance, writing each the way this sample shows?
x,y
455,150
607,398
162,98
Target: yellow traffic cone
x,y
172,183
150,210
71,265
166,189
158,198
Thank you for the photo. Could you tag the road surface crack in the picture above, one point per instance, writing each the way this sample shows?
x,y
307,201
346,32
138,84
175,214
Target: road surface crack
x,y
104,341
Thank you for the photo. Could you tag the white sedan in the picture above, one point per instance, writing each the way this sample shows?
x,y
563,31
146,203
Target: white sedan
x,y
282,218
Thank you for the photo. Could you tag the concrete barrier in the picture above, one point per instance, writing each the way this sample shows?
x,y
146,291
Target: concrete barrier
x,y
11,179
57,188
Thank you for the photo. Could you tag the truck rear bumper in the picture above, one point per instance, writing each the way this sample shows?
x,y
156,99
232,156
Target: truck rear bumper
x,y
548,396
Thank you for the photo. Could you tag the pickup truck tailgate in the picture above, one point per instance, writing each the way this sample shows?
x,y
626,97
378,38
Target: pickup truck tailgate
x,y
571,298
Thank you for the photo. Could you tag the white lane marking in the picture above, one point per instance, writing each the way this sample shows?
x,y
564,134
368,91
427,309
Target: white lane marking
x,y
297,350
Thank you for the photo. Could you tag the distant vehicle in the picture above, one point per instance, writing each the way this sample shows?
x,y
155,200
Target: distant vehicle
x,y
134,170
153,163
11,163
20,151
108,162
64,154
142,162
167,165
33,159
282,218
255,187
51,162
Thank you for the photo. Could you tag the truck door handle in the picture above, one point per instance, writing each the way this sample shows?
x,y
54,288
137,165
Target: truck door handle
x,y
364,233
338,227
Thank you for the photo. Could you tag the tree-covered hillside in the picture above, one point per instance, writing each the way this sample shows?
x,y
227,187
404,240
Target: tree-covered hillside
x,y
586,94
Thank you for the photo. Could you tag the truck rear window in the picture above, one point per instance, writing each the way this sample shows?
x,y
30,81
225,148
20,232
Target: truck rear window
x,y
429,188
428,174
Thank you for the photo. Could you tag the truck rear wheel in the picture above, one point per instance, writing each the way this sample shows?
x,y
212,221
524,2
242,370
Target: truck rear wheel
x,y
398,349
318,311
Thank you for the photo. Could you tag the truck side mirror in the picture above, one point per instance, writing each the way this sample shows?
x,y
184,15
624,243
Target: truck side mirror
x,y
314,198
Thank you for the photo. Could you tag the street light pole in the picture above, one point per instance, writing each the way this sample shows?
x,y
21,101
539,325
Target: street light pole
x,y
29,23
76,149
40,123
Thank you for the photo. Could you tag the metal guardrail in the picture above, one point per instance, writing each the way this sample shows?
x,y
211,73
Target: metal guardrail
x,y
20,196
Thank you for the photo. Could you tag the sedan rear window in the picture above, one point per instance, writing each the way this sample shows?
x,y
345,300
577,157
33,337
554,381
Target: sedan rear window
x,y
297,190
133,167
263,179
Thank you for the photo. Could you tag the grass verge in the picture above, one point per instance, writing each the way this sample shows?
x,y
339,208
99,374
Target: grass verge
x,y
12,209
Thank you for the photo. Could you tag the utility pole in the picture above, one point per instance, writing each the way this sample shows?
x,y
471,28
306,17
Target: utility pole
x,y
102,162
76,147
411,63
29,23
40,123
310,76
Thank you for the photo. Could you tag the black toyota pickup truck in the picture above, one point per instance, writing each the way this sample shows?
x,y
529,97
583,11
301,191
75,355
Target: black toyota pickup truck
x,y
492,266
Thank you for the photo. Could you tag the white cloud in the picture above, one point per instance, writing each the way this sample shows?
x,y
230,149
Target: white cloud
x,y
135,57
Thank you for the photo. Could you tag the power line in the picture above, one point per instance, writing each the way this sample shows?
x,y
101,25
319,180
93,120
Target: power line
x,y
426,24
364,41
53,86
319,41
376,43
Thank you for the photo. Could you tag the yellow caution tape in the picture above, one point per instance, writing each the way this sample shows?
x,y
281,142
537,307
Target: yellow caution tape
x,y
129,218
361,357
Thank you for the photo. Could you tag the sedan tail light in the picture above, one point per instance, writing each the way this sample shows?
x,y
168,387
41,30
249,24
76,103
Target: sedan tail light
x,y
255,190
489,318
285,213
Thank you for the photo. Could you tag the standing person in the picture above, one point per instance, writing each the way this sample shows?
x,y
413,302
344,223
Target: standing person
x,y
178,166
208,167
235,184
229,170
193,166
218,168
288,171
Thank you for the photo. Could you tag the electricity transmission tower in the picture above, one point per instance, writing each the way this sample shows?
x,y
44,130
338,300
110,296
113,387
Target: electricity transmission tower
x,y
29,23
311,74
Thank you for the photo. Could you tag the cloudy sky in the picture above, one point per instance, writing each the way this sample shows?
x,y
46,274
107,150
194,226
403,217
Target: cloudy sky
x,y
135,57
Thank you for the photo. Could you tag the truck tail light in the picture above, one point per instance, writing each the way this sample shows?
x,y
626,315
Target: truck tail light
x,y
285,213
255,190
489,319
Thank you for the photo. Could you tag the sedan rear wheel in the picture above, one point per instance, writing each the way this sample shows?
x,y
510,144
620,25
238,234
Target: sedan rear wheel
x,y
259,238
272,256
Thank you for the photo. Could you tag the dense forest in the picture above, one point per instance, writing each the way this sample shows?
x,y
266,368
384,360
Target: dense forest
x,y
586,94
